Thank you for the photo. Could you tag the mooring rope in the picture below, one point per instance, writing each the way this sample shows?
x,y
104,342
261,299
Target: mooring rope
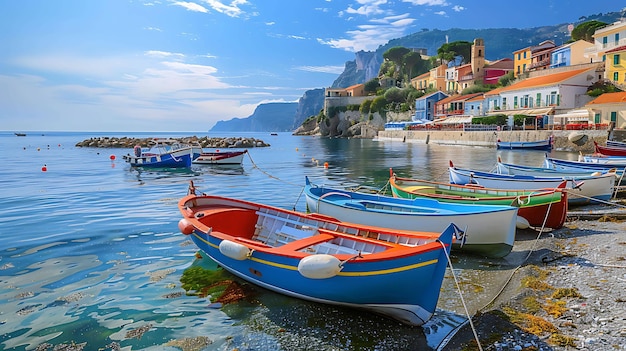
x,y
458,287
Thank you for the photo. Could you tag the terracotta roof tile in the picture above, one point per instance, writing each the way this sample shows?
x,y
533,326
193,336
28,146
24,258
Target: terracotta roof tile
x,y
542,81
608,98
619,48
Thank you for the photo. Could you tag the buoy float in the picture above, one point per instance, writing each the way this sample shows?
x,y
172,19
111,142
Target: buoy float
x,y
522,223
296,149
234,250
38,149
325,164
44,168
319,266
185,226
112,157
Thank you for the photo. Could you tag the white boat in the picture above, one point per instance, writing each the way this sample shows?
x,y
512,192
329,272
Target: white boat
x,y
581,189
490,229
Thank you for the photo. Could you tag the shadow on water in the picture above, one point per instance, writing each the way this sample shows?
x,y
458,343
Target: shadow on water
x,y
272,321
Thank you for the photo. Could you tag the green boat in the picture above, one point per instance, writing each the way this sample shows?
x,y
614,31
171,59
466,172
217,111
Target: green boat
x,y
539,208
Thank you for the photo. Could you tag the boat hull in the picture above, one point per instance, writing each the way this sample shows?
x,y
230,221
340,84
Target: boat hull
x,y
546,208
176,159
220,158
581,190
495,239
403,286
545,145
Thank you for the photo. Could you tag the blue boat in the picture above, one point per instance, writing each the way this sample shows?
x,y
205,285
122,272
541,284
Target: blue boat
x,y
164,154
394,273
545,145
490,228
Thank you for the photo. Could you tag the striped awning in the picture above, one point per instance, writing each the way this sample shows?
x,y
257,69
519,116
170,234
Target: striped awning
x,y
573,116
526,111
454,120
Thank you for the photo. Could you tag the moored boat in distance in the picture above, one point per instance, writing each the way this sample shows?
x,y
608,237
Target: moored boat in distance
x,y
526,145
391,272
490,228
220,157
540,208
163,154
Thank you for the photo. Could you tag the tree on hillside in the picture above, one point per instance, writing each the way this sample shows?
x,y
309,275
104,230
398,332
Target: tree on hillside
x,y
372,85
448,51
413,64
586,30
396,54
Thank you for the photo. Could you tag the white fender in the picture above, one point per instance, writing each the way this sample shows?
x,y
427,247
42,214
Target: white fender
x,y
320,266
234,250
522,223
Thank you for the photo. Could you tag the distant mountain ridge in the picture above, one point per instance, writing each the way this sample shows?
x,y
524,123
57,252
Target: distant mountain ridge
x,y
499,43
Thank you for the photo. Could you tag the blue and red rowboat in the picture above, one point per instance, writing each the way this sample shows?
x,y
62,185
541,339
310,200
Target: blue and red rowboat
x,y
309,256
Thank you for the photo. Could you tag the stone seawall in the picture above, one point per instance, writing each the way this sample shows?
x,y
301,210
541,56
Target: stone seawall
x,y
489,138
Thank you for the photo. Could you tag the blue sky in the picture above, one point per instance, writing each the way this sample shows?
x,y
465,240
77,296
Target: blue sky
x,y
133,65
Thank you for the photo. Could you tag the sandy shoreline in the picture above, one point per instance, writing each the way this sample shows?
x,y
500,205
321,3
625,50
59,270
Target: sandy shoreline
x,y
566,289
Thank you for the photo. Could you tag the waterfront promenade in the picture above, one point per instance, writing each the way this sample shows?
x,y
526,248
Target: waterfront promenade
x,y
489,138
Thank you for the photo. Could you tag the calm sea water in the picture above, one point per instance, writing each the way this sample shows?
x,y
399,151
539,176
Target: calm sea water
x,y
90,250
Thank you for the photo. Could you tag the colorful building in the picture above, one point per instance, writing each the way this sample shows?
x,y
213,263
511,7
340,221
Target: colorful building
x,y
609,108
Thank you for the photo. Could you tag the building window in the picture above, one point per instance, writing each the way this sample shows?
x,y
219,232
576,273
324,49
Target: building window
x,y
553,98
524,54
538,99
515,102
616,38
616,76
596,118
615,59
519,56
605,41
613,116
504,103
524,68
524,101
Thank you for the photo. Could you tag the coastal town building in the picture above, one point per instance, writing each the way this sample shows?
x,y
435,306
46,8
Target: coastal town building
x,y
352,95
615,66
609,108
606,39
570,54
425,106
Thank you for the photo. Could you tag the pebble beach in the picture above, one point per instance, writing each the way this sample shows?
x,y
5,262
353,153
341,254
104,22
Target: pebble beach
x,y
569,293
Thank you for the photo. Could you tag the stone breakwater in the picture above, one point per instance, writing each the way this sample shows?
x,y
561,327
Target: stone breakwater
x,y
205,142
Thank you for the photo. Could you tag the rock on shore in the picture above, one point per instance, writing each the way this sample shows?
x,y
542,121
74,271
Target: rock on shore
x,y
205,142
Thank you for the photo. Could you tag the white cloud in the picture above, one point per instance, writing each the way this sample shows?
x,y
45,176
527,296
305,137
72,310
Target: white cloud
x,y
458,8
156,53
322,69
440,13
427,2
191,6
368,8
231,10
369,36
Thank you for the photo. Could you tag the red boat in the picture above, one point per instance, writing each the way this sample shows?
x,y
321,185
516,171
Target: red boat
x,y
609,150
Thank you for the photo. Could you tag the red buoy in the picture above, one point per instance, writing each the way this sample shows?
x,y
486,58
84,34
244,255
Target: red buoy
x,y
185,226
112,157
44,168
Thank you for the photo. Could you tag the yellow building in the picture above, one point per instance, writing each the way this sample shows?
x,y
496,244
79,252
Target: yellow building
x,y
421,82
606,39
521,60
615,66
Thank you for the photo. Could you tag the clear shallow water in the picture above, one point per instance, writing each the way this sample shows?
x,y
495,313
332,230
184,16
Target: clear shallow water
x,y
90,250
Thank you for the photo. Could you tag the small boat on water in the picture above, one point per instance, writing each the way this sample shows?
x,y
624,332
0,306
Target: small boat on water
x,y
588,164
581,189
220,157
163,154
20,134
490,228
546,207
610,150
615,143
394,273
526,145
